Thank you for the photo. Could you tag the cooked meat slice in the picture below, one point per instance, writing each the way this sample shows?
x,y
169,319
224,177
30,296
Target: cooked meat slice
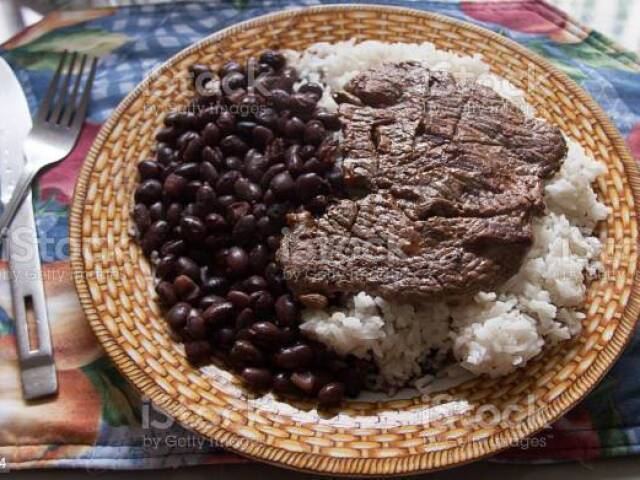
x,y
454,175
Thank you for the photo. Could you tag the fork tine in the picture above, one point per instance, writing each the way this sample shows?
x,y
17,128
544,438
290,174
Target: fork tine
x,y
62,96
71,104
81,111
53,86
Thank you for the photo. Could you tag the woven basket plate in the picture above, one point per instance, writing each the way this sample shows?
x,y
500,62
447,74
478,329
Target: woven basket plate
x,y
392,436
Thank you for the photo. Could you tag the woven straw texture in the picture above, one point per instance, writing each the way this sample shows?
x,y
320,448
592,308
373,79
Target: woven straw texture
x,y
395,436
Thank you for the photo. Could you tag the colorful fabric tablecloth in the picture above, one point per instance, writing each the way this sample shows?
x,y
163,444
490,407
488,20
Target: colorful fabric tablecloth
x,y
98,420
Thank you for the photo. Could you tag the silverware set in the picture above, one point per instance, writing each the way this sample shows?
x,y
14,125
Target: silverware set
x,y
26,149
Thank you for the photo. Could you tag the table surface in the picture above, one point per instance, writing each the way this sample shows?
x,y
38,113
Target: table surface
x,y
608,16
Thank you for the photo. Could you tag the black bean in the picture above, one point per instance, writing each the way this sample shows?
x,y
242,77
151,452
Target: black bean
x,y
330,120
264,68
186,266
189,170
174,185
237,261
193,151
206,196
245,318
197,351
262,136
165,155
308,185
215,284
245,353
244,230
259,257
271,172
233,145
226,122
302,103
196,327
148,191
174,213
281,99
185,139
233,81
257,378
167,135
293,161
208,300
317,204
229,67
295,357
166,267
287,312
193,228
199,69
311,88
282,185
255,166
247,190
208,172
273,59
255,283
267,116
225,184
211,135
149,169
238,298
294,128
262,302
314,132
331,394
215,223
186,288
186,120
223,338
218,313
282,383
141,217
266,334
155,236
166,293
213,156
305,381
236,211
177,316
156,211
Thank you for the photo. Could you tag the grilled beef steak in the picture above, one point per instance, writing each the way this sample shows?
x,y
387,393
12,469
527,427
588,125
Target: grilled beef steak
x,y
448,177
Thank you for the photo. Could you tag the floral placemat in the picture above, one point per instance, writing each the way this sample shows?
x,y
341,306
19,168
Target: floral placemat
x,y
98,421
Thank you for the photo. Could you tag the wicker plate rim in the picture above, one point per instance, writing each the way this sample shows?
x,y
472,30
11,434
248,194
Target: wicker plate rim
x,y
315,462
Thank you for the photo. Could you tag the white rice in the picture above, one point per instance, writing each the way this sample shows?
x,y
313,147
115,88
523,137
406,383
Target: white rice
x,y
496,332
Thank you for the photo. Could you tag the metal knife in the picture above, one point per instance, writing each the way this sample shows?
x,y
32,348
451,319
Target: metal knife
x,y
35,351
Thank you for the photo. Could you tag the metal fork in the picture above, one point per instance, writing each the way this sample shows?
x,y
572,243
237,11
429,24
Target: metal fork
x,y
56,127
